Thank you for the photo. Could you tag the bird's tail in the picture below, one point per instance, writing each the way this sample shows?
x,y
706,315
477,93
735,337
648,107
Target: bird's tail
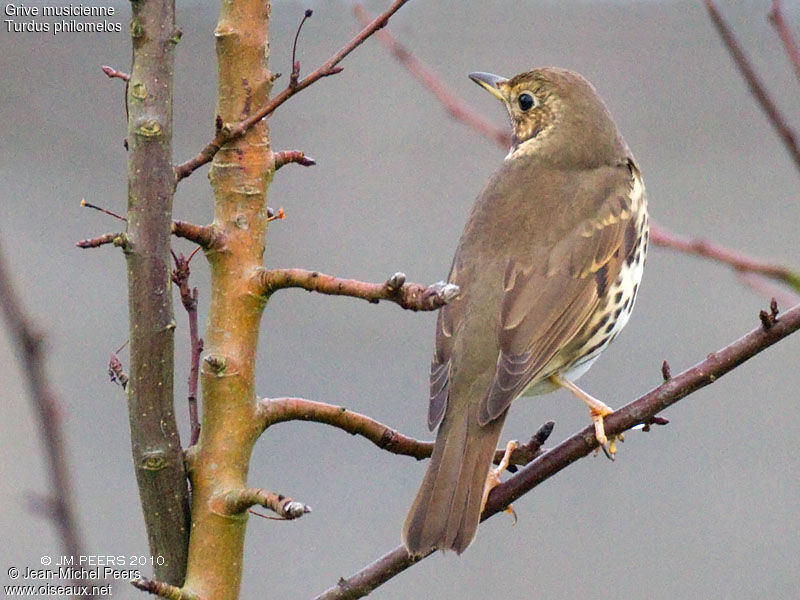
x,y
447,509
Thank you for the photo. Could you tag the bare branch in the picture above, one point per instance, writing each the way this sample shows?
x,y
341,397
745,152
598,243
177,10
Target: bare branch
x,y
292,156
236,502
642,410
231,132
789,43
205,236
281,410
118,239
740,262
756,86
767,289
455,107
112,72
411,296
180,276
29,345
155,439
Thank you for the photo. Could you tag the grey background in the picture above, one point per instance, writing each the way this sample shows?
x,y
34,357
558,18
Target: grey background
x,y
704,508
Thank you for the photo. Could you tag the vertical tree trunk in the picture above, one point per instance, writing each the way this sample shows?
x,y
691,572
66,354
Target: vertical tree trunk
x,y
240,175
157,453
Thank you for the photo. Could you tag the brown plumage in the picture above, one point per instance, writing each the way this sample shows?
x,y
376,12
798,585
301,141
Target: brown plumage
x,y
548,266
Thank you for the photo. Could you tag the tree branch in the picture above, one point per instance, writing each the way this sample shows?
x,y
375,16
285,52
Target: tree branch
x,y
789,43
237,502
456,108
155,441
205,236
740,262
230,132
180,276
582,443
756,86
29,347
411,296
117,239
280,159
280,410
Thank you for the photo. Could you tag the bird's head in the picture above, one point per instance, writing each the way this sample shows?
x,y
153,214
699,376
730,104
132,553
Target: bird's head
x,y
556,113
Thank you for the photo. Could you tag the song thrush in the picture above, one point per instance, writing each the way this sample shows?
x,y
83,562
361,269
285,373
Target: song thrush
x,y
548,265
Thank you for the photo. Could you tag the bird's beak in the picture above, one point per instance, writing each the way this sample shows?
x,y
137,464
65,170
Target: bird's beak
x,y
491,83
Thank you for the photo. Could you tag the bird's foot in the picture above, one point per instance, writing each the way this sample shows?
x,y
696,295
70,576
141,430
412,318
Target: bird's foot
x,y
493,478
598,410
608,445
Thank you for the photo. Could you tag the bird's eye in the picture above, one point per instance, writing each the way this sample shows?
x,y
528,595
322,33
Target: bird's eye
x,y
526,101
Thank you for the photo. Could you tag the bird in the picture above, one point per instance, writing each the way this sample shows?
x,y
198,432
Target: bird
x,y
548,267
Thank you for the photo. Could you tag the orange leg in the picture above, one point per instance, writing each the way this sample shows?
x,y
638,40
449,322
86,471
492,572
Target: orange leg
x,y
598,410
493,479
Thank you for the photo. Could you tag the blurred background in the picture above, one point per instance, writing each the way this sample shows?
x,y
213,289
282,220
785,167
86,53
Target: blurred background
x,y
706,507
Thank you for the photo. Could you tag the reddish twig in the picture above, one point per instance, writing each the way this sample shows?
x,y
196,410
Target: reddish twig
x,y
787,38
112,72
411,296
456,108
296,63
292,156
30,347
180,276
280,410
765,288
741,263
330,67
756,86
118,239
86,204
581,444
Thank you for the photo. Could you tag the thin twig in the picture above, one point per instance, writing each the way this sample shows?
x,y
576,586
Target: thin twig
x,y
785,33
86,204
740,262
583,443
232,132
29,345
411,296
296,63
756,86
117,239
180,276
765,288
112,72
280,410
456,107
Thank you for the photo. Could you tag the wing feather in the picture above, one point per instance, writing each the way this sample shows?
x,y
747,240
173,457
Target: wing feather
x,y
545,307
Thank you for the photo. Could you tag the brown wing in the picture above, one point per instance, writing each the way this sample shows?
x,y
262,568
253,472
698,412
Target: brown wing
x,y
449,317
550,294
